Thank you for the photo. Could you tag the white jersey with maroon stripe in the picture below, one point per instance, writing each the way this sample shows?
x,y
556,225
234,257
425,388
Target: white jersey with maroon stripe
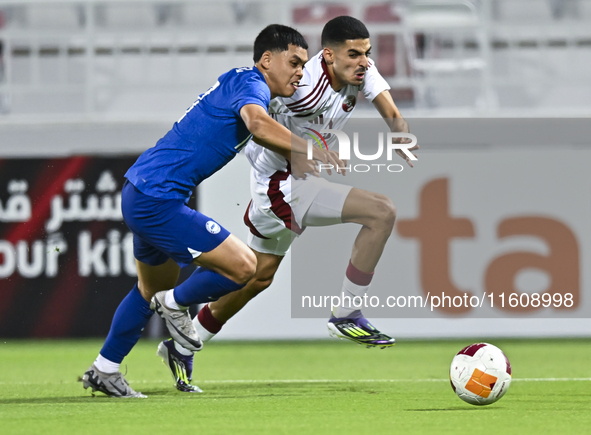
x,y
282,206
314,103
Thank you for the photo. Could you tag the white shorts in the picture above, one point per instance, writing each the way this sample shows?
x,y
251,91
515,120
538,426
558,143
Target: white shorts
x,y
282,207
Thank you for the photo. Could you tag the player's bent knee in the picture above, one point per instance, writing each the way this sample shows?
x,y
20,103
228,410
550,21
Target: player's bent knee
x,y
244,268
385,212
262,284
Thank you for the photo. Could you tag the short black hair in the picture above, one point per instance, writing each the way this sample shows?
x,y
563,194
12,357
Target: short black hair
x,y
277,37
340,29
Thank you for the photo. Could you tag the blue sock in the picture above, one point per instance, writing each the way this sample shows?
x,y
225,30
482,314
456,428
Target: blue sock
x,y
129,321
203,286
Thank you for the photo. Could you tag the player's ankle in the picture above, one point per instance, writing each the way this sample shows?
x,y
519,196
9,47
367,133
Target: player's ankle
x,y
206,324
106,366
180,349
171,302
342,312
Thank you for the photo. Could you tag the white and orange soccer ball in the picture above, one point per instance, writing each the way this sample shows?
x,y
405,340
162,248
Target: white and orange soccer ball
x,y
480,374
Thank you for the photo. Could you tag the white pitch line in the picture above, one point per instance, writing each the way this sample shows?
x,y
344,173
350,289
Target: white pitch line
x,y
305,381
310,381
551,379
315,381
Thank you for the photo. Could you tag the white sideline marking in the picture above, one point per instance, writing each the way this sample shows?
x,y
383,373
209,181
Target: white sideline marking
x,y
305,381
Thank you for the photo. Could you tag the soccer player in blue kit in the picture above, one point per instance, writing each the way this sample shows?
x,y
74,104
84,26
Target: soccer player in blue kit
x,y
167,234
285,200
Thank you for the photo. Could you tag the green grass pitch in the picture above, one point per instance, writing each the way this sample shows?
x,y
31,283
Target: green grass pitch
x,y
316,387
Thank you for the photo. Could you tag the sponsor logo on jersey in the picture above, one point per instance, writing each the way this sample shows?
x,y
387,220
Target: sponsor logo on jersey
x,y
349,103
212,227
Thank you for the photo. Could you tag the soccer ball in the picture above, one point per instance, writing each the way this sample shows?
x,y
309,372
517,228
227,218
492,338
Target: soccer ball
x,y
480,374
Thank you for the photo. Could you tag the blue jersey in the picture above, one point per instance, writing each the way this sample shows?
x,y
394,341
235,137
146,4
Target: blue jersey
x,y
207,137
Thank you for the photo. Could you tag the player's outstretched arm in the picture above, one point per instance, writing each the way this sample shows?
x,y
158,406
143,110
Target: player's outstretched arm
x,y
387,108
270,134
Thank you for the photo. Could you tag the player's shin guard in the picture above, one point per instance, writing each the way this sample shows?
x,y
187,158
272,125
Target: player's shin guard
x,y
204,286
129,321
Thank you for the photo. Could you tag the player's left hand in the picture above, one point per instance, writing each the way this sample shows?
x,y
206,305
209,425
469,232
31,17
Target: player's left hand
x,y
399,125
404,156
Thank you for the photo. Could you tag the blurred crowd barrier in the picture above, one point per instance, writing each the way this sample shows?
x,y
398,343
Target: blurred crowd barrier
x,y
145,58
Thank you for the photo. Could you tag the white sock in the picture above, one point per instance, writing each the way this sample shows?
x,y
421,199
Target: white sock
x,y
350,290
204,334
171,303
180,349
106,366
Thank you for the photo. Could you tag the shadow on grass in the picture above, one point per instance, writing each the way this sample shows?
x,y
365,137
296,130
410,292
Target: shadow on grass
x,y
100,399
57,400
476,408
97,398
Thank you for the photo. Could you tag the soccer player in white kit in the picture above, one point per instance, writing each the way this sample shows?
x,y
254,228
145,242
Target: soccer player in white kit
x,y
285,200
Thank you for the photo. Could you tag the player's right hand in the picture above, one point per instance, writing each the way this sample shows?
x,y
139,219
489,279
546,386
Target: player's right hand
x,y
330,158
301,167
340,164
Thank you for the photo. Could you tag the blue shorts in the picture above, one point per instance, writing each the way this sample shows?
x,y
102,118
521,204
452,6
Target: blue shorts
x,y
167,228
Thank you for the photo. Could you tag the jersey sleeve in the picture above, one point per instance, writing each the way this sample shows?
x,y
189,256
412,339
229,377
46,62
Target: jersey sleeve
x,y
373,82
252,90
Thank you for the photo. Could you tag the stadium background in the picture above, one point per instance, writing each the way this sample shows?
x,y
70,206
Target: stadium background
x,y
87,86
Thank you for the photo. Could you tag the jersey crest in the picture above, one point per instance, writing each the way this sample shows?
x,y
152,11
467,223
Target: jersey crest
x,y
349,103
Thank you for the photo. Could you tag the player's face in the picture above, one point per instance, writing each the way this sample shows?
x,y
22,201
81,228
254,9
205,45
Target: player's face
x,y
349,62
285,69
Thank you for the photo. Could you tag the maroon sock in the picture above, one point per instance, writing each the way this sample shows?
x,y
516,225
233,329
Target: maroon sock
x,y
208,321
358,277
